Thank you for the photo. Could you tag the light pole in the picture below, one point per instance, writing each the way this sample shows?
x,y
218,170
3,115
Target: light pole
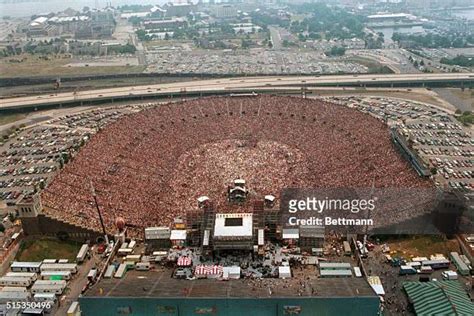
x,y
94,195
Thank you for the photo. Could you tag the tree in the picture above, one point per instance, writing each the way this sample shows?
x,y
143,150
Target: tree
x,y
142,36
245,43
336,51
2,228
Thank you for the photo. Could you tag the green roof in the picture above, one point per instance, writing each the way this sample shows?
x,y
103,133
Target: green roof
x,y
439,298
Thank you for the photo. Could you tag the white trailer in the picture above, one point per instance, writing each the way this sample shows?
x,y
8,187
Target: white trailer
x,y
124,251
28,275
15,281
81,256
109,272
47,275
134,258
49,286
74,309
132,244
14,297
357,272
44,297
14,289
71,267
121,271
20,266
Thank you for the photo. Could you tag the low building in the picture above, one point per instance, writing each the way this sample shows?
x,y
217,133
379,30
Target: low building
x,y
168,24
439,298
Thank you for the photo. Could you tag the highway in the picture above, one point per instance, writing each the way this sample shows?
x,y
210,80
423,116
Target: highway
x,y
229,85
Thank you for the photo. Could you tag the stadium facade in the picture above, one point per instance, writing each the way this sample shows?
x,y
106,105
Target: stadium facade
x,y
324,306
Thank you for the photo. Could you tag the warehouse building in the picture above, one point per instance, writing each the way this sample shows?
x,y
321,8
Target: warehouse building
x,y
144,293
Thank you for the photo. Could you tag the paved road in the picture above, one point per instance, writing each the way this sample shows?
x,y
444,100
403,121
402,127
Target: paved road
x,y
275,37
76,285
228,86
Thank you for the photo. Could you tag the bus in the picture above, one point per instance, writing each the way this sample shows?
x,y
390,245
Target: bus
x,y
71,267
347,248
404,270
81,256
436,264
21,266
461,266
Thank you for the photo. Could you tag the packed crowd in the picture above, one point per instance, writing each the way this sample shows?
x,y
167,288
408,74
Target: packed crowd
x,y
151,166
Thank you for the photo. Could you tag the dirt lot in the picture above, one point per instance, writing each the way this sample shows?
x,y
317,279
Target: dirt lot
x,y
420,95
40,249
10,118
467,94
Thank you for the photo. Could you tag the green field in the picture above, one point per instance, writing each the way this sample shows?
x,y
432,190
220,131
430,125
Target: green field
x,y
40,249
422,245
10,118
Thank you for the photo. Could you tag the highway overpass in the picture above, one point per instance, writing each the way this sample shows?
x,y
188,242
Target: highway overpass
x,y
283,84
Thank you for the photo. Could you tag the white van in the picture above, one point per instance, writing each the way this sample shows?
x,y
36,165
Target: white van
x,y
142,266
449,275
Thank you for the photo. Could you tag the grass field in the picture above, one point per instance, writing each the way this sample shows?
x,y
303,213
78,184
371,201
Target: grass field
x,y
422,246
34,66
40,249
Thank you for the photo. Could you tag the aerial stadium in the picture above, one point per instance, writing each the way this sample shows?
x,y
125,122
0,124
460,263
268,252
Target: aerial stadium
x,y
150,168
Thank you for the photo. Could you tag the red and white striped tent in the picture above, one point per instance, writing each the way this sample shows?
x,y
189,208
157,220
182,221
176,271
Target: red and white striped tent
x,y
184,261
208,271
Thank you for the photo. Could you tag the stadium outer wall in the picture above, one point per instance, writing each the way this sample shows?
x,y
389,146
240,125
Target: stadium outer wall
x,y
43,225
321,306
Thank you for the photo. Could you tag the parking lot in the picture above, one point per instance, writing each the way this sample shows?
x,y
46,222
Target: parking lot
x,y
444,145
254,61
31,156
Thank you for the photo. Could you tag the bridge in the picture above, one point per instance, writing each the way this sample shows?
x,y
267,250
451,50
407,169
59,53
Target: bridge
x,y
275,84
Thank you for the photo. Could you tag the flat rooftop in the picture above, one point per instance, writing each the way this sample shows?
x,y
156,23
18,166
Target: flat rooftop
x,y
159,283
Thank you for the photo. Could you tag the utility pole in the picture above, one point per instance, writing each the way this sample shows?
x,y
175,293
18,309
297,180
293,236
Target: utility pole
x,y
94,195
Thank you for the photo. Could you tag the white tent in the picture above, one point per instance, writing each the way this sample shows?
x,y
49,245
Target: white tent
x,y
376,285
284,272
232,272
178,235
